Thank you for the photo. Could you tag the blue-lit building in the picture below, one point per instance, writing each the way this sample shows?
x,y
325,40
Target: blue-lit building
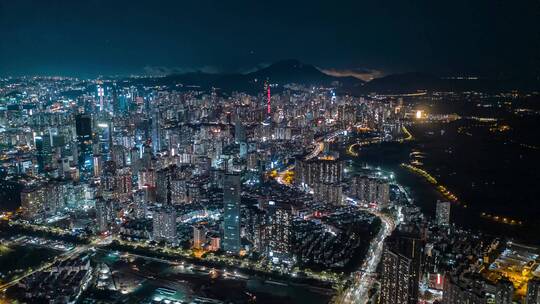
x,y
231,216
83,128
156,132
43,148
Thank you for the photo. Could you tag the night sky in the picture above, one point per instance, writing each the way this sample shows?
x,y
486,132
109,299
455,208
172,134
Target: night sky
x,y
88,38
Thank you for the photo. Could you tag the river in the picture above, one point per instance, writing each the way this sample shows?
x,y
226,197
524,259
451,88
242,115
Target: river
x,y
491,172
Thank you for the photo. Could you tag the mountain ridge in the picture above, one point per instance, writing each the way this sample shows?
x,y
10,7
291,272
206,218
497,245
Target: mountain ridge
x,y
293,71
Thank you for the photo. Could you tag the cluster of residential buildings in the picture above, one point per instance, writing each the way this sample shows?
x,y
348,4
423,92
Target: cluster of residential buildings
x,y
63,282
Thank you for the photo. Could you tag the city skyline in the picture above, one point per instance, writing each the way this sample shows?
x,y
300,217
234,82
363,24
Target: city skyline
x,y
169,152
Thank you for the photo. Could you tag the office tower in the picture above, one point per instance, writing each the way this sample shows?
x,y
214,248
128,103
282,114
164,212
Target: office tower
x,y
156,132
243,150
443,213
54,197
108,176
231,216
164,225
119,155
101,95
199,236
401,265
124,184
117,102
43,155
145,161
179,192
83,129
239,132
110,132
504,292
533,291
104,215
98,165
268,96
279,234
104,139
164,179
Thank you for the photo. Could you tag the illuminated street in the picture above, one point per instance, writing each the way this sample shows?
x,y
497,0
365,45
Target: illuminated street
x,y
363,282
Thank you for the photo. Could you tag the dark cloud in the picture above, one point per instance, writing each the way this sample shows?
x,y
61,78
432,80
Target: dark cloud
x,y
163,70
360,73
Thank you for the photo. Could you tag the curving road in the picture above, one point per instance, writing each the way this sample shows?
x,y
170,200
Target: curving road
x,y
358,292
319,146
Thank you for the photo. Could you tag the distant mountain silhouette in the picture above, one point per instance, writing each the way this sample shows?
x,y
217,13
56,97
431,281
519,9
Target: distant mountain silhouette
x,y
281,73
402,83
294,71
414,82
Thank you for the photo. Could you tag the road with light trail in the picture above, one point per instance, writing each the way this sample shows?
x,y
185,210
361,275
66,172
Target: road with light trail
x,y
358,292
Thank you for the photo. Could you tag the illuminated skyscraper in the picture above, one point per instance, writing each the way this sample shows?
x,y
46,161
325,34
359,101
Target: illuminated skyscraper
x,y
443,213
231,216
371,190
32,202
279,232
164,184
164,225
215,243
83,129
104,215
199,236
268,97
401,265
156,132
239,132
104,137
43,148
311,172
240,137
329,193
101,95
